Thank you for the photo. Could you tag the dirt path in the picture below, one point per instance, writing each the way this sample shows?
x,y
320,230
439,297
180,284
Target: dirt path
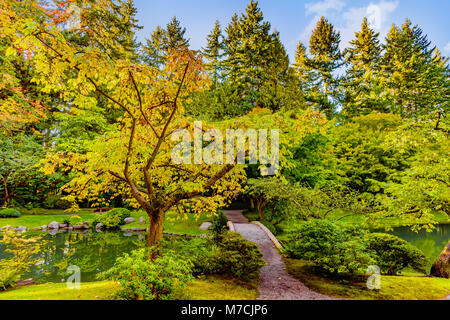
x,y
276,283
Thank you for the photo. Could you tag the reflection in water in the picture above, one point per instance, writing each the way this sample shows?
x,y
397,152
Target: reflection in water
x,y
430,243
96,252
93,252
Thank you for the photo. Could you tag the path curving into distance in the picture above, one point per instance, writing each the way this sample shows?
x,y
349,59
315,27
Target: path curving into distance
x,y
276,283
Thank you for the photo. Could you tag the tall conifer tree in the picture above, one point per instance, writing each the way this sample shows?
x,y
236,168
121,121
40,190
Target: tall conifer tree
x,y
214,52
326,58
361,84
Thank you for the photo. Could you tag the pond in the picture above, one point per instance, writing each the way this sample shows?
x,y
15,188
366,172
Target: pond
x,y
91,251
430,243
96,252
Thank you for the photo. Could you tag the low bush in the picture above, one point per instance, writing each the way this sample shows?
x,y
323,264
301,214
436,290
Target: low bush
x,y
333,248
231,256
239,257
9,213
219,225
56,202
112,219
393,254
74,220
8,278
140,279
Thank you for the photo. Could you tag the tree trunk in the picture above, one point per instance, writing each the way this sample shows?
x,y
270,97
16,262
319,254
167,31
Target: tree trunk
x,y
7,198
260,204
155,233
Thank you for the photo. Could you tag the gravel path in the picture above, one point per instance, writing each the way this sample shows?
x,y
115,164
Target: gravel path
x,y
276,283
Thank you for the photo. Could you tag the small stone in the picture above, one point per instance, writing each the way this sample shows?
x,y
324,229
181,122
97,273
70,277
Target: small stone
x,y
205,225
53,225
21,229
63,225
44,227
141,220
128,220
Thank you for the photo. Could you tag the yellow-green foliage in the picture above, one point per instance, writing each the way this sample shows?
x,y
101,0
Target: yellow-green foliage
x,y
101,290
21,248
392,287
210,288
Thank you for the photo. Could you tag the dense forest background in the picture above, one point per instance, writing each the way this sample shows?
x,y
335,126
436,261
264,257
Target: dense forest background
x,y
381,109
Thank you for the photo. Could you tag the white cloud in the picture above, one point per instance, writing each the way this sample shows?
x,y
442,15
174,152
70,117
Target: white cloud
x,y
447,47
347,19
323,7
377,15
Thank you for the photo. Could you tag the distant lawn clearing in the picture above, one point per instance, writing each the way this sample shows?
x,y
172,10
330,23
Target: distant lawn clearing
x,y
173,223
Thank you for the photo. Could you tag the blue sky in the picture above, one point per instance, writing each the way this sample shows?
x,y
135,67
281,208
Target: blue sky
x,y
295,19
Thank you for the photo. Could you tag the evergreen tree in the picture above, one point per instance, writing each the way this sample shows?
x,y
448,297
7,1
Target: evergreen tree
x,y
303,71
255,58
361,84
410,71
175,35
162,41
325,60
214,52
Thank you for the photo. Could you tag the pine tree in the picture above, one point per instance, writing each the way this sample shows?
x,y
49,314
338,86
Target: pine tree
x,y
409,73
162,41
255,59
175,35
361,84
214,52
325,60
303,70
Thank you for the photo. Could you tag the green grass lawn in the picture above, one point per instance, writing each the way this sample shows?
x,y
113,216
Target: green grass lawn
x,y
403,287
173,223
32,221
211,288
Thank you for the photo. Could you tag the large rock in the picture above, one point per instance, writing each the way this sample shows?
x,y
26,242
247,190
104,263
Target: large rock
x,y
53,225
128,220
441,266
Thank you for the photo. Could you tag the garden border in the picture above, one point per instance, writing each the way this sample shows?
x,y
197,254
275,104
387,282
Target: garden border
x,y
269,234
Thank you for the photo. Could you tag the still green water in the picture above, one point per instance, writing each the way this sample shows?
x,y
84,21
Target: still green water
x,y
95,252
92,252
430,243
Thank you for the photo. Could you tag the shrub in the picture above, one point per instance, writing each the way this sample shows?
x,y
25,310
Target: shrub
x,y
270,226
238,257
8,278
219,225
393,254
73,220
333,248
122,212
56,202
112,219
231,256
9,213
140,279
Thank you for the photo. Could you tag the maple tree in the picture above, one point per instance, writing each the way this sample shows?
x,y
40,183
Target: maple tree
x,y
135,153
